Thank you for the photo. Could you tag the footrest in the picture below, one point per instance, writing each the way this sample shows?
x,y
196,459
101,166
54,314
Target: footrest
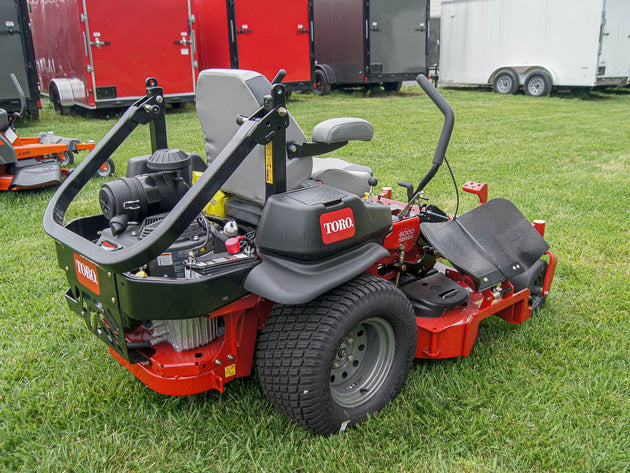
x,y
432,295
491,243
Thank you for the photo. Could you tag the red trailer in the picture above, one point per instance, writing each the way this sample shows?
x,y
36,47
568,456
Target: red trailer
x,y
94,54
240,34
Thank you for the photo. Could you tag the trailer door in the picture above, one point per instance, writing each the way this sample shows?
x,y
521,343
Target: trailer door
x,y
398,35
129,42
13,54
272,35
614,52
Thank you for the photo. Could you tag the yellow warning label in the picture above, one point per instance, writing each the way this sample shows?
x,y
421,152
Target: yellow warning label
x,y
230,371
269,163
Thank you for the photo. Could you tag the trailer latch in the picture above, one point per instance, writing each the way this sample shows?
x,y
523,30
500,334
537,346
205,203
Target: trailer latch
x,y
98,43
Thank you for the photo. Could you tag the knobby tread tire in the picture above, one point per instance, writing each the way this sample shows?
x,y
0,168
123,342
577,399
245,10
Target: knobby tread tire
x,y
298,344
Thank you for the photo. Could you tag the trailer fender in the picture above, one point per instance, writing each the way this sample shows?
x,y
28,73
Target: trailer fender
x,y
330,73
298,282
62,87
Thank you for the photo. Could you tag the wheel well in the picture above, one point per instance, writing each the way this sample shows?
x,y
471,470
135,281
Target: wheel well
x,y
328,71
503,69
531,70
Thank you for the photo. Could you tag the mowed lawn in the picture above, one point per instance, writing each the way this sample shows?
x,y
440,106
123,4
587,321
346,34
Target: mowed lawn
x,y
552,394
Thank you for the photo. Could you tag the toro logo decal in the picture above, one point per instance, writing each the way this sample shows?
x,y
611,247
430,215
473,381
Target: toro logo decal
x,y
87,273
337,225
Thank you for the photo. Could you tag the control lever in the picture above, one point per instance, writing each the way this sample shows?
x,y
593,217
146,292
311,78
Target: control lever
x,y
409,187
372,181
279,76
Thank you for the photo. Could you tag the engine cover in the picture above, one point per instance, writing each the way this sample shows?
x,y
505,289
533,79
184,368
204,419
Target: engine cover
x,y
317,222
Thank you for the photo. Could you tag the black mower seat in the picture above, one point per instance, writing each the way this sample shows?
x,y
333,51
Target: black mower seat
x,y
491,243
223,94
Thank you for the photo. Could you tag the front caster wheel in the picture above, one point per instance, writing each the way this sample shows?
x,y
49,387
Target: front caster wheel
x,y
66,158
329,363
534,280
107,169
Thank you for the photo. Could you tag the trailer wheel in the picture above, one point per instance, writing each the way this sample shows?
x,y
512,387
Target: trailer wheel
x,y
392,86
66,158
55,98
322,86
329,363
505,82
537,84
107,169
534,280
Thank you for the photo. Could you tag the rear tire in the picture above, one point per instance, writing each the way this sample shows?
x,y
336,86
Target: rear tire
x,y
329,363
505,82
55,98
392,86
537,84
322,86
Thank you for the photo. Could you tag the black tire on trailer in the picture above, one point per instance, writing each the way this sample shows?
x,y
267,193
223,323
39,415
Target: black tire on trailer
x,y
537,84
534,280
322,86
66,158
55,98
505,82
392,86
329,363
108,168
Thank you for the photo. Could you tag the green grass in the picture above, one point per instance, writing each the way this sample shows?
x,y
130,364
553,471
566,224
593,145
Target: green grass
x,y
550,395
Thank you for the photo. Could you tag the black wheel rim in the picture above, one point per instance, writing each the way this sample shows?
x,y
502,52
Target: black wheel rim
x,y
362,362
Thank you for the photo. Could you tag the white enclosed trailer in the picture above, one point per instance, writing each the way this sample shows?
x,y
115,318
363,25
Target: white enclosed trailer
x,y
537,44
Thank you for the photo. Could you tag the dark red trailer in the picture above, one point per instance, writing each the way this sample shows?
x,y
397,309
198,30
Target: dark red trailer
x,y
263,36
367,43
94,54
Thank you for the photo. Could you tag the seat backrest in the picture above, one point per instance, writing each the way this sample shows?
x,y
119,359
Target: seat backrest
x,y
223,95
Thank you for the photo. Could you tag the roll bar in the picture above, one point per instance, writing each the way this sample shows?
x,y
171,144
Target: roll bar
x,y
268,124
447,128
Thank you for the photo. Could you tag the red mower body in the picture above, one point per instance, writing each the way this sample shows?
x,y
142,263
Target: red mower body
x,y
335,289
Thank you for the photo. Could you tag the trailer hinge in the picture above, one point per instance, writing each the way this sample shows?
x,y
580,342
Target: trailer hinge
x,y
195,64
83,17
192,18
90,68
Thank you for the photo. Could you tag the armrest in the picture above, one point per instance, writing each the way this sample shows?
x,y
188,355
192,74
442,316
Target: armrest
x,y
346,129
